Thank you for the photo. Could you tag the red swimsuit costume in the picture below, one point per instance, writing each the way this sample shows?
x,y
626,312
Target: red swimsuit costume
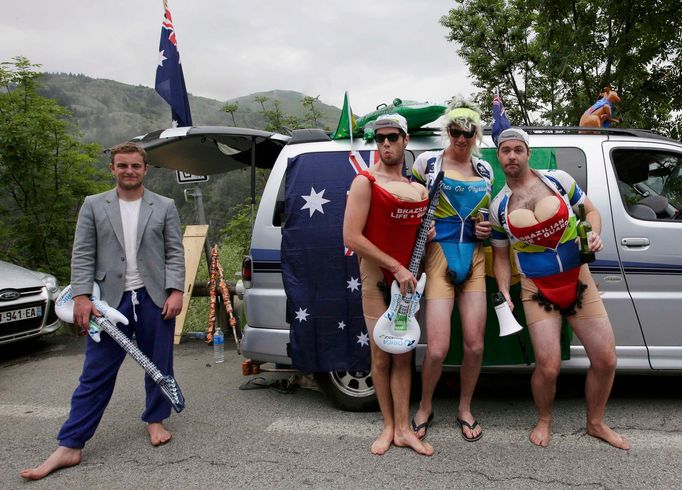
x,y
561,289
392,224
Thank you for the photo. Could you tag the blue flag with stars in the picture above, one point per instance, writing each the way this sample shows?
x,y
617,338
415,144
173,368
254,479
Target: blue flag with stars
x,y
321,277
500,121
170,82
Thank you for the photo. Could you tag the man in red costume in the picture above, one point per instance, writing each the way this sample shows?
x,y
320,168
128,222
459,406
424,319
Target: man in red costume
x,y
382,217
534,213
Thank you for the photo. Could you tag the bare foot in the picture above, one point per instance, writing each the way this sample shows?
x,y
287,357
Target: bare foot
x,y
158,435
605,433
541,433
407,438
62,457
383,442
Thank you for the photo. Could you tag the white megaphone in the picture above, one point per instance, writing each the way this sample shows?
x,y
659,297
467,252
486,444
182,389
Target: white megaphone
x,y
508,324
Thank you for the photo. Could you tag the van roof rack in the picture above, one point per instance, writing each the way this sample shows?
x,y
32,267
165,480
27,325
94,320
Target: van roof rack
x,y
639,133
310,135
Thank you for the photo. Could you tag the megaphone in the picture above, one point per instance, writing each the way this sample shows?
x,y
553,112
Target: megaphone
x,y
508,324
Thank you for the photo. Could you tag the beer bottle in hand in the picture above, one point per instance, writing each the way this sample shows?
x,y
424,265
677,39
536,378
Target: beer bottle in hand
x,y
584,233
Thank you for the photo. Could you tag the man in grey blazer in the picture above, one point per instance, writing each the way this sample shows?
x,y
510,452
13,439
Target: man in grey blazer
x,y
129,241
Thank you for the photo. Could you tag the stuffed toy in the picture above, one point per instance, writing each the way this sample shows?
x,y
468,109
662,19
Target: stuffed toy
x,y
600,115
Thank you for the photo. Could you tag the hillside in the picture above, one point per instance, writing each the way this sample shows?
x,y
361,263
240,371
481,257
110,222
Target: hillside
x,y
108,112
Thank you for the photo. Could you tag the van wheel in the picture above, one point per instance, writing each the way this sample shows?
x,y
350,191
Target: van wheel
x,y
352,391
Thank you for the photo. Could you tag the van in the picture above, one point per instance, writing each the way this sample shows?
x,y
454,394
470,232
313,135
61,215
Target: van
x,y
633,177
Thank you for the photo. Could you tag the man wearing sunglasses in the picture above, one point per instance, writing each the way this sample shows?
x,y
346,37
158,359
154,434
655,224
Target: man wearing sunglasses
x,y
383,213
455,262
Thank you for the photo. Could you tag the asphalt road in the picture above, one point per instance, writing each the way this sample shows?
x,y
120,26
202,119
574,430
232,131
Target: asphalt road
x,y
232,438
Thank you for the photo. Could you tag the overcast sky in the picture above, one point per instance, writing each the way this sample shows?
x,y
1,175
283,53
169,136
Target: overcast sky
x,y
375,49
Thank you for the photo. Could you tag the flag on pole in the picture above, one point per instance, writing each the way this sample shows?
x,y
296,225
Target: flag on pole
x,y
346,124
500,121
170,82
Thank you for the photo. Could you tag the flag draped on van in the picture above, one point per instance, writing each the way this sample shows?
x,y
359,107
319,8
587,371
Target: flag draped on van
x,y
322,280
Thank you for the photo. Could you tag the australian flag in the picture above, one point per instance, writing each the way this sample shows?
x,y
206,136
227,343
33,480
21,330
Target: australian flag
x,y
500,121
321,278
170,82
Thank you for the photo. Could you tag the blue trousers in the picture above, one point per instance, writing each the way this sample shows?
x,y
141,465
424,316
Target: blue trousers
x,y
154,337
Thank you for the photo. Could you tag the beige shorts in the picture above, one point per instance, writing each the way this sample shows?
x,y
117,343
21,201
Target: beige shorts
x,y
373,304
592,305
438,286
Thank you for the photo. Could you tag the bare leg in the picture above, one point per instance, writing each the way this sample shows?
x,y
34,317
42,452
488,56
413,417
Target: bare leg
x,y
438,312
597,337
545,337
381,367
158,434
401,374
472,310
62,457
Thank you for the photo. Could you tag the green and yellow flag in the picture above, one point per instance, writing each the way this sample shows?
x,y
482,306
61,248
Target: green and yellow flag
x,y
346,125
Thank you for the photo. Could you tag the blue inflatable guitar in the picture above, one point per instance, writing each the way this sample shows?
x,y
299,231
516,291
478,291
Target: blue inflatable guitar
x,y
397,331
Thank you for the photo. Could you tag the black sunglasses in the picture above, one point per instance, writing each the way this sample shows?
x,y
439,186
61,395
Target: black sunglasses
x,y
456,133
392,137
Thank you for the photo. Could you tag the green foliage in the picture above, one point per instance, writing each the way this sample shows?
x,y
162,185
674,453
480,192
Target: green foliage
x,y
311,117
231,108
550,60
45,173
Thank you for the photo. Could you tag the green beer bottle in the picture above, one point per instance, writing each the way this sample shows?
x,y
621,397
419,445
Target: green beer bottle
x,y
584,232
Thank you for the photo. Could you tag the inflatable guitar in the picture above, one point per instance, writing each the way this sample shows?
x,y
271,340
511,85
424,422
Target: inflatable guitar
x,y
397,331
107,322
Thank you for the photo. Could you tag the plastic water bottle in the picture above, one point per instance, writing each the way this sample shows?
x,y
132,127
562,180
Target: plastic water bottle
x,y
218,346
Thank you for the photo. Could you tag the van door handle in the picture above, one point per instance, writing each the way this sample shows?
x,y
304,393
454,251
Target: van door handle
x,y
634,242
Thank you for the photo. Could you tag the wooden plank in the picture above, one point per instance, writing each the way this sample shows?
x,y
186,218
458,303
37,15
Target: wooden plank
x,y
193,242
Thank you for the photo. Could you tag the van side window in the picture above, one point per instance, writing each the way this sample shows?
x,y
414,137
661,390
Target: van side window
x,y
650,182
278,216
573,161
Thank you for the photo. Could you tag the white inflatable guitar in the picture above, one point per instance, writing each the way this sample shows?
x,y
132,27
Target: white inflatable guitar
x,y
397,331
107,322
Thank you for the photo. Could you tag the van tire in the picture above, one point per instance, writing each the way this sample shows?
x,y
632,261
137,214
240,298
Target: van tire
x,y
350,391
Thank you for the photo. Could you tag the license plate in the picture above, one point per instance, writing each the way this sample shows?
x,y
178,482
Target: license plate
x,y
21,314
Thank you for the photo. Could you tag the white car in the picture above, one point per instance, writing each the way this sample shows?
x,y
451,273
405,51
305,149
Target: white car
x,y
26,303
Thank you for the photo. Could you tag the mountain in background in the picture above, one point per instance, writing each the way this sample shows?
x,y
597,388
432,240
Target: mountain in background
x,y
109,112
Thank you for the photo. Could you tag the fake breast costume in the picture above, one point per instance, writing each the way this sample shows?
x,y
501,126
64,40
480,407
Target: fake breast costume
x,y
395,213
544,239
455,218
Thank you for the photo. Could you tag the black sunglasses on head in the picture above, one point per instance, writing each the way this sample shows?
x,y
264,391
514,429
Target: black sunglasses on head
x,y
456,133
392,137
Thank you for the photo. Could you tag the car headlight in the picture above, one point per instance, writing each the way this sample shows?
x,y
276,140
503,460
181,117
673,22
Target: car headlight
x,y
51,283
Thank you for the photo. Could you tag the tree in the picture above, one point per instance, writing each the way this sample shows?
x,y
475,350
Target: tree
x,y
261,99
45,173
551,59
313,115
231,108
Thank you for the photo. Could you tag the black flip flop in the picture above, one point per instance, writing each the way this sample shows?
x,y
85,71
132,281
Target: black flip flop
x,y
469,426
423,425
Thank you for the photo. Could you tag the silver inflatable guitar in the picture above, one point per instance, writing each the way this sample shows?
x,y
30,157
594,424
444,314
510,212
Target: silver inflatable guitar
x,y
107,323
397,331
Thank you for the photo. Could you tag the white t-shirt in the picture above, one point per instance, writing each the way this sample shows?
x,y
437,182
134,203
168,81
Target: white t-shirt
x,y
130,213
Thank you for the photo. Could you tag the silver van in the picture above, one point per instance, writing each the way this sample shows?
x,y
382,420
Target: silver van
x,y
633,177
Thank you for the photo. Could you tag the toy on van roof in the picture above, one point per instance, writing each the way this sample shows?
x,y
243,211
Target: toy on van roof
x,y
417,114
600,114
